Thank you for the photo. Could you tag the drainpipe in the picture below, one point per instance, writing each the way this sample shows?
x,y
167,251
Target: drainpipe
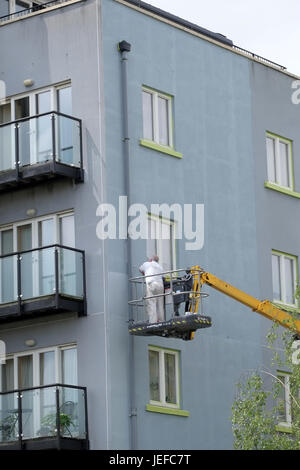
x,y
124,48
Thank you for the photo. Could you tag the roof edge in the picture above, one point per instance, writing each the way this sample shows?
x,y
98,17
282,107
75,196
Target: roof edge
x,y
176,19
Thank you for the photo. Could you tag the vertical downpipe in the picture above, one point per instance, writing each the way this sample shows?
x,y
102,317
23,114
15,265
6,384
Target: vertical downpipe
x,y
124,48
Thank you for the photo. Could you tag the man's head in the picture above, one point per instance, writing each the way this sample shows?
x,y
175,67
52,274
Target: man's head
x,y
155,258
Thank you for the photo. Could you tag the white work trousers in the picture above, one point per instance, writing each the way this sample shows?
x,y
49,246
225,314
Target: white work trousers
x,y
155,306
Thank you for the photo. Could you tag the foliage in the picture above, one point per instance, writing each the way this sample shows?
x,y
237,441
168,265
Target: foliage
x,y
48,424
259,407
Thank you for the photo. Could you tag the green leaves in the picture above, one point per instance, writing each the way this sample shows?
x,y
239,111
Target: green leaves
x,y
266,411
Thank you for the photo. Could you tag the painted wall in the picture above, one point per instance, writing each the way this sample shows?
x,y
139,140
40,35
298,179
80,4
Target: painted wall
x,y
213,130
49,48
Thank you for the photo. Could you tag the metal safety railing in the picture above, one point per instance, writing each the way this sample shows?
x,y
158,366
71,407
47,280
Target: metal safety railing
x,y
34,8
51,136
50,411
181,294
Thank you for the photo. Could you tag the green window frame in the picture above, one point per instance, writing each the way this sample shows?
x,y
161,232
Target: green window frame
x,y
285,279
157,111
279,151
164,377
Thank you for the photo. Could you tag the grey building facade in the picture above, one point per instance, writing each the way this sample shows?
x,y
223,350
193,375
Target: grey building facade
x,y
64,293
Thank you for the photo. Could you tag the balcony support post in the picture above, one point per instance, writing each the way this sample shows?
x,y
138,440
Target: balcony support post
x,y
56,277
19,281
57,419
17,152
20,424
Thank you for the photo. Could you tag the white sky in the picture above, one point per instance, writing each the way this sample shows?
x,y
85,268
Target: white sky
x,y
270,28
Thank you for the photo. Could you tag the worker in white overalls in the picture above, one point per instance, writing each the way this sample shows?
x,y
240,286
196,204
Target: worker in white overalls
x,y
154,286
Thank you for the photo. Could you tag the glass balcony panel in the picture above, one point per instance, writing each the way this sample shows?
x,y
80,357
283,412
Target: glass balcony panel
x,y
43,139
37,273
70,265
72,412
7,147
46,415
68,141
9,420
29,416
8,279
27,151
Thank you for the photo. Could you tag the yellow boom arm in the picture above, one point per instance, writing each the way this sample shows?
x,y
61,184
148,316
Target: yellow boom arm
x,y
265,307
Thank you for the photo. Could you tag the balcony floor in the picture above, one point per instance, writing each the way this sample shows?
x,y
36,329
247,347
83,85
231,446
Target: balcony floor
x,y
46,443
41,306
33,174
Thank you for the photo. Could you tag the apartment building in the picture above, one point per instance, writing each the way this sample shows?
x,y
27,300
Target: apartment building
x,y
104,99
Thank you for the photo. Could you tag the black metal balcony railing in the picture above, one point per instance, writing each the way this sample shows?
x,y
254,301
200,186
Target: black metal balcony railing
x,y
47,417
40,147
175,310
42,280
33,9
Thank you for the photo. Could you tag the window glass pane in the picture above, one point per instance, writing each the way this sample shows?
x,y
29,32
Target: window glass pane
x,y
154,375
46,232
69,366
22,107
7,284
276,277
5,115
281,402
170,378
166,246
25,372
284,164
7,372
271,160
289,280
21,5
67,231
4,8
152,248
147,116
163,121
47,368
64,96
43,102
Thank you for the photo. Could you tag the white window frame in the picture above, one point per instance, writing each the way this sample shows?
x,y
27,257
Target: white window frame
x,y
155,118
35,242
277,139
36,354
162,385
35,228
287,398
283,280
159,249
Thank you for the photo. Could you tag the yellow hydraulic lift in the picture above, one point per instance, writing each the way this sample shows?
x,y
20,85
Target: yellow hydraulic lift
x,y
265,307
184,326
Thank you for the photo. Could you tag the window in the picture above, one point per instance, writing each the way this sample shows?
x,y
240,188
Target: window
x,y
157,121
161,241
279,161
38,368
284,276
35,135
37,273
14,6
164,377
284,400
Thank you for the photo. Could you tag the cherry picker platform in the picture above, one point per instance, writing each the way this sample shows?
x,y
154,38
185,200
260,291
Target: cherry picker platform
x,y
182,298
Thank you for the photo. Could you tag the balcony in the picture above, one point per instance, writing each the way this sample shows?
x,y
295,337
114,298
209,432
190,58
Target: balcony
x,y
44,418
177,306
38,6
40,148
42,281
